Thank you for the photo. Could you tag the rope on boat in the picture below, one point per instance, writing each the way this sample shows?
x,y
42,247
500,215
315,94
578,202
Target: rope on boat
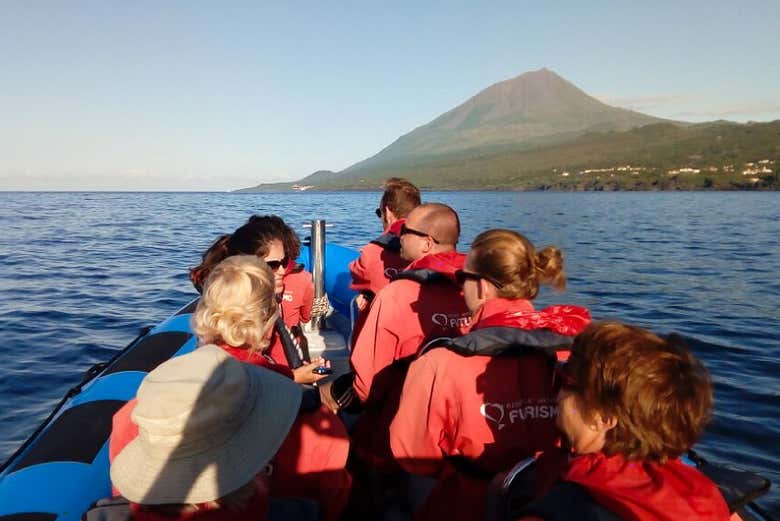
x,y
320,306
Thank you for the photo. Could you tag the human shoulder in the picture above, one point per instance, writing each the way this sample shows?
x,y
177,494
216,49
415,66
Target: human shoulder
x,y
371,248
399,288
436,361
298,276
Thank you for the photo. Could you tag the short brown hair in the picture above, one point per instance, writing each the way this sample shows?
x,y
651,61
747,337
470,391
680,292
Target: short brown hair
x,y
400,196
659,393
511,259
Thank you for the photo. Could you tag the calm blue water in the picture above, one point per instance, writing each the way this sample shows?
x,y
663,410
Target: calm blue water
x,y
80,273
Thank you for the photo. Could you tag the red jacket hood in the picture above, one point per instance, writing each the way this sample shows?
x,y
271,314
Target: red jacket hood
x,y
520,313
639,491
446,263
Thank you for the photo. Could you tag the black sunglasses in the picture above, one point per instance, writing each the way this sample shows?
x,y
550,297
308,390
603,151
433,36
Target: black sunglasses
x,y
405,229
378,212
276,264
462,276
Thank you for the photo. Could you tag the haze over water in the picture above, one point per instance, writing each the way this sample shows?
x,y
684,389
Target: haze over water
x,y
82,272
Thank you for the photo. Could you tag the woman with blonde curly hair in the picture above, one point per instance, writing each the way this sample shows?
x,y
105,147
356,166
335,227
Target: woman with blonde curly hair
x,y
238,311
237,307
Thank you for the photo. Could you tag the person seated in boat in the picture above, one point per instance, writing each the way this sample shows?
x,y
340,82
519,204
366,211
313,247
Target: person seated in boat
x,y
298,293
269,238
630,404
237,312
209,428
422,302
380,260
473,405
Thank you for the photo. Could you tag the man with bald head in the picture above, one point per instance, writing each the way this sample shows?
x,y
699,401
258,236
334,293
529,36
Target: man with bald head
x,y
429,229
423,302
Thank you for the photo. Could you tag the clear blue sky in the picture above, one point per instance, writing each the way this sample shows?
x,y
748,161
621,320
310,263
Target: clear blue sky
x,y
204,96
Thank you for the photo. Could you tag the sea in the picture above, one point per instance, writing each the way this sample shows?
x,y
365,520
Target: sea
x,y
82,273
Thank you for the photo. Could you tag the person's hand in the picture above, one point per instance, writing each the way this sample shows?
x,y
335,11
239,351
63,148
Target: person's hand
x,y
305,375
361,301
326,397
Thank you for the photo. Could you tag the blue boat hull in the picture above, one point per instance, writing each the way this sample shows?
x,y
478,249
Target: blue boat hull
x,y
63,467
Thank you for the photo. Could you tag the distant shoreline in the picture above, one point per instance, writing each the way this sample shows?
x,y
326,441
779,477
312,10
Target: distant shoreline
x,y
377,190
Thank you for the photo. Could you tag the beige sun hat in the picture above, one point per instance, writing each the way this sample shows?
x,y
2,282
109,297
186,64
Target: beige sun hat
x,y
207,424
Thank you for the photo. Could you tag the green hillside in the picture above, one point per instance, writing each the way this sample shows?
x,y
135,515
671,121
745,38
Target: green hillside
x,y
539,132
654,157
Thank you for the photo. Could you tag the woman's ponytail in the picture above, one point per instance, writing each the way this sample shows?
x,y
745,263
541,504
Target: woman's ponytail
x,y
549,266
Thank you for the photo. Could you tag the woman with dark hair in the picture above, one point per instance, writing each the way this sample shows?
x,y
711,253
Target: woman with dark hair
x,y
268,237
473,405
630,404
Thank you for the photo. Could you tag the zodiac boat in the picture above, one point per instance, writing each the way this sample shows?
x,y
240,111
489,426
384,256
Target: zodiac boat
x,y
63,467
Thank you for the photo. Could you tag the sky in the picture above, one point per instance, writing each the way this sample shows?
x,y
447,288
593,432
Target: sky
x,y
114,95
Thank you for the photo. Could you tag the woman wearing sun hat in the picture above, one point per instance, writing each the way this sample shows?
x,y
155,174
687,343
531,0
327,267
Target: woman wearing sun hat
x,y
207,426
236,313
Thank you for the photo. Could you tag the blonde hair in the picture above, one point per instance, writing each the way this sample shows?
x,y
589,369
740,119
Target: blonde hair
x,y
238,305
512,260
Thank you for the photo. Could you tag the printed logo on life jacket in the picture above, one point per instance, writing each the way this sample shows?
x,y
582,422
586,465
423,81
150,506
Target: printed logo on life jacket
x,y
513,412
493,412
391,272
453,320
287,296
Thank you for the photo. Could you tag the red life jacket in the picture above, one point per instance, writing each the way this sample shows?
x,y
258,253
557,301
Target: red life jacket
x,y
639,491
631,490
487,400
379,261
310,463
424,304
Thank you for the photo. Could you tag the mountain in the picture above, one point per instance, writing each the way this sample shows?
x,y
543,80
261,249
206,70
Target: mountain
x,y
525,133
535,108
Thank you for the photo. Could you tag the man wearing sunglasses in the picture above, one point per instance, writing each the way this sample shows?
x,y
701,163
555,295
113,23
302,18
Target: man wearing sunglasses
x,y
423,302
380,259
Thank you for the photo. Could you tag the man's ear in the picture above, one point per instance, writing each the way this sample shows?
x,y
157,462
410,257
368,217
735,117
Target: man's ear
x,y
390,217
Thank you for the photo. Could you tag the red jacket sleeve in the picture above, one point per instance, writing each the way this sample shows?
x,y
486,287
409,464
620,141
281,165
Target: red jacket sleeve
x,y
376,344
420,435
308,300
367,268
123,430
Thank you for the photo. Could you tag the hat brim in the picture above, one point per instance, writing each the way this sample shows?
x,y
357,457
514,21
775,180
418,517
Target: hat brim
x,y
220,470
